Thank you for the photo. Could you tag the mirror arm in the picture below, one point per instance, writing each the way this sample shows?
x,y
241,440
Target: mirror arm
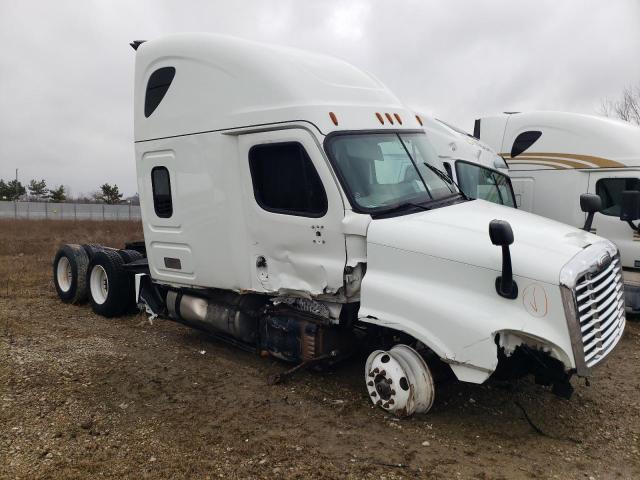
x,y
588,222
505,285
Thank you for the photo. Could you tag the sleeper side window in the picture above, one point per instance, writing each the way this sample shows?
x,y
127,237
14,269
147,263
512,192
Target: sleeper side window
x,y
161,187
610,191
524,141
286,181
157,87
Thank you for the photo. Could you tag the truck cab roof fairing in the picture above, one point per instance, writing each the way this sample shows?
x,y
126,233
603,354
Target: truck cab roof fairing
x,y
608,142
224,82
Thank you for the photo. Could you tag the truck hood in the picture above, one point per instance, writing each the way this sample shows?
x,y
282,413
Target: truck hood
x,y
460,233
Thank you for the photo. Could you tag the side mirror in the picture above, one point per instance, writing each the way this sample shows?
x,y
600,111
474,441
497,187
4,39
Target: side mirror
x,y
630,206
590,204
501,235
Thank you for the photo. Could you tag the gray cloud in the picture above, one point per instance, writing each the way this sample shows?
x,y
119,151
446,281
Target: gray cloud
x,y
66,69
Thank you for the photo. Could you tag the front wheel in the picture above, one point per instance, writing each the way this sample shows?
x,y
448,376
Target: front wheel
x,y
399,381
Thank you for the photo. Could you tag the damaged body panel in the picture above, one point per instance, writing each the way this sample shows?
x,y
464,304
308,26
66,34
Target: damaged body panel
x,y
292,252
410,287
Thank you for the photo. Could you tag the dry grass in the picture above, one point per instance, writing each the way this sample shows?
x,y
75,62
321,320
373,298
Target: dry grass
x,y
27,248
42,236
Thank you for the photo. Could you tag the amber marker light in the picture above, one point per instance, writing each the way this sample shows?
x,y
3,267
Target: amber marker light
x,y
398,118
380,118
334,119
389,117
419,119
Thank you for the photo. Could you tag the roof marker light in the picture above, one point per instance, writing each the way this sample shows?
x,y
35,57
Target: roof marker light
x,y
419,119
398,118
334,119
389,117
380,118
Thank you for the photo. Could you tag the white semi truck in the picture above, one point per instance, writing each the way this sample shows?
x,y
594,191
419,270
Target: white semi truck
x,y
554,157
292,205
475,167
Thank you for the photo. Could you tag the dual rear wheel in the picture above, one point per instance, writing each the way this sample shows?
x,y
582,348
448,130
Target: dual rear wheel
x,y
70,273
95,273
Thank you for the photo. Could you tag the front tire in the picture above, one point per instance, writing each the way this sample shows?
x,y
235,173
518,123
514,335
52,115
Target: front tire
x,y
70,273
399,381
109,284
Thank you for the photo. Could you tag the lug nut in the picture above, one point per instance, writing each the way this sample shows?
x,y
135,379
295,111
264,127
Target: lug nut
x,y
393,392
371,374
386,405
389,381
378,403
391,402
376,370
383,373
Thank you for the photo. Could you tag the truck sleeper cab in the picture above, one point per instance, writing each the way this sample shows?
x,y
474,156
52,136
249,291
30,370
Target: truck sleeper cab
x,y
290,206
554,157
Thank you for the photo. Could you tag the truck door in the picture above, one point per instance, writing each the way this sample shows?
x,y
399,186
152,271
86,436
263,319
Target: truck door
x,y
523,189
293,211
610,185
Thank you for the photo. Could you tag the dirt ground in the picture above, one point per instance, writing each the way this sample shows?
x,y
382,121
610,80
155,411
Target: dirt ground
x,y
83,396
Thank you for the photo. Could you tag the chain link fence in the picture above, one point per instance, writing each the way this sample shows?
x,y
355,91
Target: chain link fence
x,y
68,211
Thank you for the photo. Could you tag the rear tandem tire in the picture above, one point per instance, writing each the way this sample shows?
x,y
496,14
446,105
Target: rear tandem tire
x,y
92,249
70,273
129,256
109,284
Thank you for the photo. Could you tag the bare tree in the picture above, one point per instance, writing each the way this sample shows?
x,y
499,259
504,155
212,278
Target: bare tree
x,y
626,108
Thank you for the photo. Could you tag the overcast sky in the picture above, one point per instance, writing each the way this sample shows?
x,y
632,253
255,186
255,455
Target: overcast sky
x,y
66,70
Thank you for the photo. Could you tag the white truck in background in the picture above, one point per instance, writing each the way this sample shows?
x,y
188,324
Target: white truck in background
x,y
554,157
292,205
476,168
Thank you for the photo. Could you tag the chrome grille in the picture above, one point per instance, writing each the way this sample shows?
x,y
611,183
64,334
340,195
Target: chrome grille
x,y
600,302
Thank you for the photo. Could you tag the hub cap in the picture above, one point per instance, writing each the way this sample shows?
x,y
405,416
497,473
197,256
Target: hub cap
x,y
99,284
64,274
399,381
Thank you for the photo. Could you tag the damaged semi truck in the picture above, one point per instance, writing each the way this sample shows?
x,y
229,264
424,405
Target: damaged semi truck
x,y
293,206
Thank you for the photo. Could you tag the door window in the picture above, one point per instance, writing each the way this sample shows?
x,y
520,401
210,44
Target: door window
x,y
286,181
483,183
610,191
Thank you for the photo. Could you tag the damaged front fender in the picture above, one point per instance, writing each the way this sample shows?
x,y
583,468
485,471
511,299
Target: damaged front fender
x,y
453,309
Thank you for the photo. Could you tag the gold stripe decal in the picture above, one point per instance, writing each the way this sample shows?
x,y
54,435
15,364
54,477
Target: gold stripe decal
x,y
561,160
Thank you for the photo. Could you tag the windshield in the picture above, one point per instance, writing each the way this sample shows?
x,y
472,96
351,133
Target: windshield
x,y
387,169
483,183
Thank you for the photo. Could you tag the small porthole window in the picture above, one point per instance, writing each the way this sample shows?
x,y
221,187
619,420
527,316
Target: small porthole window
x,y
157,87
161,187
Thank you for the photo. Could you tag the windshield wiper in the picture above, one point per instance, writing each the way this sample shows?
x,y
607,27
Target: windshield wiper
x,y
403,206
446,178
